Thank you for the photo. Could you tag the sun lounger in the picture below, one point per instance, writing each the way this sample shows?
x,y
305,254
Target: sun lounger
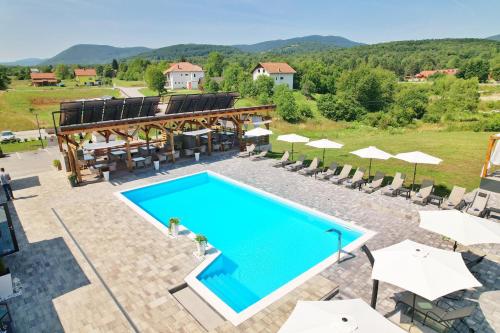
x,y
283,160
432,312
343,175
356,179
325,175
375,184
248,151
422,196
396,185
455,198
260,155
478,206
311,169
297,165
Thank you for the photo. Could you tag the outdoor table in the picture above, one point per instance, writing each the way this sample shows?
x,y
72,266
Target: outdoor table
x,y
134,151
435,199
99,167
88,157
119,153
139,160
405,192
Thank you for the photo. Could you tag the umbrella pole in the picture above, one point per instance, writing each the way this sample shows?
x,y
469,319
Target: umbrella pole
x,y
370,169
324,158
292,150
455,246
413,310
414,174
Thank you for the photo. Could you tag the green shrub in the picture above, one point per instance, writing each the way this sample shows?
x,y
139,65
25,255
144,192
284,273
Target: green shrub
x,y
305,111
200,238
340,107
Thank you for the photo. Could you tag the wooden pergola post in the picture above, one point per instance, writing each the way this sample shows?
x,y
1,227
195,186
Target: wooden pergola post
x,y
209,144
172,145
129,155
491,144
146,131
239,133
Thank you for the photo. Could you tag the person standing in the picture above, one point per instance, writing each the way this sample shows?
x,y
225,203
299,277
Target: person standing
x,y
5,182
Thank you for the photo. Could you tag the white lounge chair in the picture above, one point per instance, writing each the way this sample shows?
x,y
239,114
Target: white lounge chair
x,y
283,160
343,175
311,168
248,151
327,174
478,205
375,184
455,199
297,165
260,155
356,179
396,185
422,196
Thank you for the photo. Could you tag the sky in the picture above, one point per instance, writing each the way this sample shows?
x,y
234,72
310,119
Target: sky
x,y
41,29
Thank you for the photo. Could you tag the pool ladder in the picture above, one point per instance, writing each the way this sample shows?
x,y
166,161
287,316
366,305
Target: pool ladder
x,y
339,234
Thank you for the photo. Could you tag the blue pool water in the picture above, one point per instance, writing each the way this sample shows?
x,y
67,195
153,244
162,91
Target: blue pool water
x,y
265,243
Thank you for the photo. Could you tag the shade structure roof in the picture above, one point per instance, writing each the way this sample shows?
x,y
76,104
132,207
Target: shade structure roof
x,y
325,144
352,315
418,157
423,270
197,132
293,138
103,145
372,152
461,227
258,131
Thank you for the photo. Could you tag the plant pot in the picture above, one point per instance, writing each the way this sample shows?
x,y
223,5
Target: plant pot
x,y
174,230
197,156
157,165
201,248
6,288
105,174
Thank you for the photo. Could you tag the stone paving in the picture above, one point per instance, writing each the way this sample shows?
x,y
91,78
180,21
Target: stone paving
x,y
139,264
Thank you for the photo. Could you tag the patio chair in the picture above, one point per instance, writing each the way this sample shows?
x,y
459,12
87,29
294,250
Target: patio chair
x,y
343,175
283,160
311,168
325,175
112,166
299,164
422,196
147,161
431,311
248,151
375,184
455,199
260,155
396,185
478,205
356,179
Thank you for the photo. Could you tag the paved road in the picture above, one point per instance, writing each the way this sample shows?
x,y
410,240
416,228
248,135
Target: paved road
x,y
130,91
20,165
32,134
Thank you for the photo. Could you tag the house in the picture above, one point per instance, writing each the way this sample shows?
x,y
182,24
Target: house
x,y
86,76
43,79
424,75
183,75
281,72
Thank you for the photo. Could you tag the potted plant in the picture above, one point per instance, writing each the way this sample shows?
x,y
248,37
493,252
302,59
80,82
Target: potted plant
x,y
173,226
57,164
197,154
201,243
156,162
73,180
6,288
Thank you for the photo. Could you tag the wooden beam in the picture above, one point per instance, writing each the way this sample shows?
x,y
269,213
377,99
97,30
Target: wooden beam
x,y
172,147
129,155
491,144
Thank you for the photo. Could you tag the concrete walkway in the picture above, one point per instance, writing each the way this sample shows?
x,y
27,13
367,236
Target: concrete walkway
x,y
130,91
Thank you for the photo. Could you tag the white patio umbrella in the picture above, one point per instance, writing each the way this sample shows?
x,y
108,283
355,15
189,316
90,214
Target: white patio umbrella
x,y
258,132
324,144
417,157
372,152
351,315
423,270
103,145
462,228
293,138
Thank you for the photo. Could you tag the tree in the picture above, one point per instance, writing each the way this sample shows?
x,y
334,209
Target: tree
x,y
286,105
108,71
264,85
340,107
62,72
247,88
413,97
308,88
214,65
155,79
477,68
232,76
211,86
114,64
4,78
453,96
495,73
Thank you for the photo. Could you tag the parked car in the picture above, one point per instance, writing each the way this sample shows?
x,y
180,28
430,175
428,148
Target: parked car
x,y
8,136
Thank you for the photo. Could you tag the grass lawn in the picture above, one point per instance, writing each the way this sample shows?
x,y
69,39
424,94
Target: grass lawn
x,y
8,148
148,92
15,104
123,83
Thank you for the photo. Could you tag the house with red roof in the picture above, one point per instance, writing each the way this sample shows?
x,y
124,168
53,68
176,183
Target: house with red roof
x,y
86,76
183,75
43,79
281,72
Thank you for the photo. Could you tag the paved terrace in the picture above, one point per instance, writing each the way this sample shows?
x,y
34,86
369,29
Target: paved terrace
x,y
67,235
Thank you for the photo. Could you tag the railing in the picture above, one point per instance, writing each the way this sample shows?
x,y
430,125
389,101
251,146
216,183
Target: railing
x,y
339,234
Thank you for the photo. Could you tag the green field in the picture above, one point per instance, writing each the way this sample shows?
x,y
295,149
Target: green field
x,y
8,148
15,103
123,83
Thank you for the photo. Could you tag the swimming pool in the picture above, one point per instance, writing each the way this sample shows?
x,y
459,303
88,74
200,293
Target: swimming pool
x,y
266,245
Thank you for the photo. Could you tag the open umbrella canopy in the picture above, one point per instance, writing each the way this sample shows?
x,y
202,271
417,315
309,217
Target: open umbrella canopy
x,y
293,138
462,228
324,144
258,131
372,153
423,270
418,157
103,145
352,315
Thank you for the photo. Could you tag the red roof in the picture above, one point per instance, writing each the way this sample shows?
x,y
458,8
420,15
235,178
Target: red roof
x,y
276,67
85,72
426,74
184,67
43,76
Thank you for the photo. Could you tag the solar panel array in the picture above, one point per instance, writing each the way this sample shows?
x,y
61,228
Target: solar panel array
x,y
200,102
94,111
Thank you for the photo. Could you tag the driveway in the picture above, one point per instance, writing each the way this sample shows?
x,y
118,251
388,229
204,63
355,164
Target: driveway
x,y
130,91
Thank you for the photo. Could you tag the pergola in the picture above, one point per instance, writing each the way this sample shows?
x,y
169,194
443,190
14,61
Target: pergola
x,y
120,116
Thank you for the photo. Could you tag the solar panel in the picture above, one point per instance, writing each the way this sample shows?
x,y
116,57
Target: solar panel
x,y
190,104
223,101
71,113
113,109
92,111
132,107
175,103
200,102
149,106
204,99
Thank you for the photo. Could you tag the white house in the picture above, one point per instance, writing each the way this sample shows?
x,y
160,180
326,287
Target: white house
x,y
281,72
183,75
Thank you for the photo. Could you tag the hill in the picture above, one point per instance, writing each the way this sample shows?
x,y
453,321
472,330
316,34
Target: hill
x,y
175,52
24,62
93,54
306,43
496,37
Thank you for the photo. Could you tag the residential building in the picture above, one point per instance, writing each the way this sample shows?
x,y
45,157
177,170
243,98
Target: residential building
x,y
43,79
86,76
183,75
281,72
